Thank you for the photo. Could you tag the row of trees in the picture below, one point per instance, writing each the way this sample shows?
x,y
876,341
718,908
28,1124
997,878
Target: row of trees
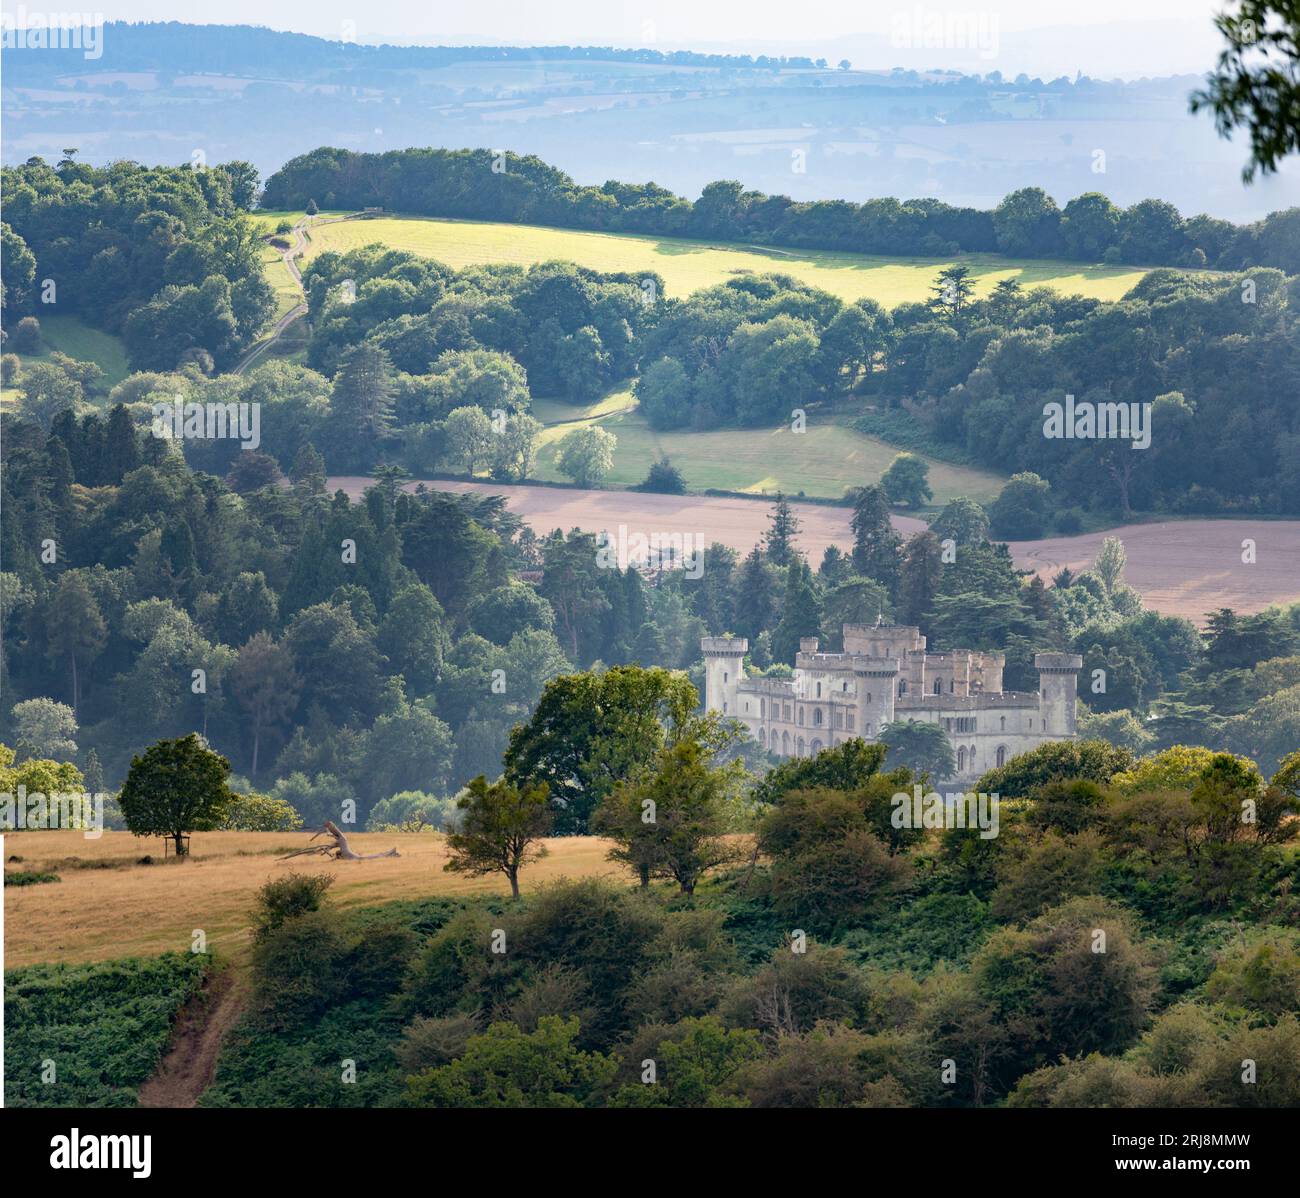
x,y
484,185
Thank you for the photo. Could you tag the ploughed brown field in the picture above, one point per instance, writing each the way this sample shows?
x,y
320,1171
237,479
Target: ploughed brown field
x,y
107,905
1181,567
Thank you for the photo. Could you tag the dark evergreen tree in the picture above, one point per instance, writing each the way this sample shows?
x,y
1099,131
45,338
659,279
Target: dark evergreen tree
x,y
755,594
875,543
801,613
919,577
783,528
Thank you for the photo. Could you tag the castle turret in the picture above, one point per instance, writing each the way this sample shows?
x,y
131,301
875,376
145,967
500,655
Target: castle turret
x,y
877,681
1058,686
724,663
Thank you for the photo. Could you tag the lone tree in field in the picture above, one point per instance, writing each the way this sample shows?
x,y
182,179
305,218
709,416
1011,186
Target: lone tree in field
x,y
499,828
907,481
175,787
586,455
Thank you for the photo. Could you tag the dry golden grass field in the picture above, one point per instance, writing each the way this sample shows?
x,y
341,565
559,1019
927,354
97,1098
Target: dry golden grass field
x,y
109,906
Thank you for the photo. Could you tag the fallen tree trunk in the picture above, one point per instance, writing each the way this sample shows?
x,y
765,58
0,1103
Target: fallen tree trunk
x,y
340,850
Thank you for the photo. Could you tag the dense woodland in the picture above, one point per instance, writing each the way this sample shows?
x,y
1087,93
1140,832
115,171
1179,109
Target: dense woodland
x,y
370,649
402,664
163,256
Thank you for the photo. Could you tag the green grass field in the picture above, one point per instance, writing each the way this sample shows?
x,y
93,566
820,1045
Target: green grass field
x,y
72,336
687,266
820,462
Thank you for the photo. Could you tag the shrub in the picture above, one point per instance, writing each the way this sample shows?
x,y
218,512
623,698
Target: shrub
x,y
601,925
283,898
694,1059
1056,993
663,478
379,961
507,1067
457,970
427,1043
837,883
1263,979
832,1065
20,877
554,989
795,991
299,969
27,336
1045,873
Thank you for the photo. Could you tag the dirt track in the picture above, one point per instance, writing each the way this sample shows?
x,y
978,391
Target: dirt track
x,y
191,1059
1181,568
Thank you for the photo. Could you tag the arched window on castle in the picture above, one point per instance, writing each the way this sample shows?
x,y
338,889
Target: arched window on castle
x,y
961,759
817,716
1003,721
1002,755
819,690
902,686
938,686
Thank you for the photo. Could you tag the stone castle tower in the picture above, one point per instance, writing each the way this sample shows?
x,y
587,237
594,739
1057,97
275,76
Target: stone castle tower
x,y
885,674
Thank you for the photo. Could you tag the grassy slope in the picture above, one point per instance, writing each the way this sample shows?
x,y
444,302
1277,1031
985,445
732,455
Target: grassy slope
x,y
820,462
687,266
72,336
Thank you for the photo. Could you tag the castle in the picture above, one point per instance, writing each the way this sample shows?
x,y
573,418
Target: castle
x,y
885,674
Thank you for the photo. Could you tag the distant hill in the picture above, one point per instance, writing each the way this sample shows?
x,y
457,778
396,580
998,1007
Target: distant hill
x,y
782,124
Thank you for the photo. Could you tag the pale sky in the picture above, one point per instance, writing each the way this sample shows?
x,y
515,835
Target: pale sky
x,y
587,22
1104,38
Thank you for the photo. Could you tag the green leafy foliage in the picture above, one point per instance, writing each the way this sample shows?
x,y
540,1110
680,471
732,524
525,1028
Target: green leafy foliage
x,y
89,1035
